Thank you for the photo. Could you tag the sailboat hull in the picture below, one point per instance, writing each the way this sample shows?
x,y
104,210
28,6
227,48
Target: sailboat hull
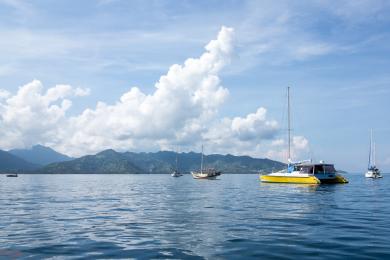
x,y
204,177
373,175
212,175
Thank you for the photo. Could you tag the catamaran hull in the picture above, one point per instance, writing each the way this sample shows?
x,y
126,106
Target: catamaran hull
x,y
302,180
336,179
288,179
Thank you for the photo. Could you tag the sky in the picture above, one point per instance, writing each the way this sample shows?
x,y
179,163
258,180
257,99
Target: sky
x,y
84,76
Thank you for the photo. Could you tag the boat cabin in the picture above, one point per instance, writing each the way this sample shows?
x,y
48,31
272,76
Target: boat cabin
x,y
312,168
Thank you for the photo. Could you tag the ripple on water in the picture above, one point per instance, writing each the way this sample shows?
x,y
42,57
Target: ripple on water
x,y
155,216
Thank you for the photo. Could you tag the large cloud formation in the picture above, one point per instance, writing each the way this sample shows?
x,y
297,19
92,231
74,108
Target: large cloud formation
x,y
182,111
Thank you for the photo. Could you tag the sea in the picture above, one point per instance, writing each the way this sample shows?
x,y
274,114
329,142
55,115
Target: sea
x,y
161,217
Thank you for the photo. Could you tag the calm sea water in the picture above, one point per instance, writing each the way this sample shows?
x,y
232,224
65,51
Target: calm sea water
x,y
157,216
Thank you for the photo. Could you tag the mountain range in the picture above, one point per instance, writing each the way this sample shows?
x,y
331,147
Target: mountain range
x,y
12,163
110,161
41,159
40,155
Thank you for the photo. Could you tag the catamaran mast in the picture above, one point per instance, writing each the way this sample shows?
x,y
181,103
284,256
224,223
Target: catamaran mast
x,y
289,124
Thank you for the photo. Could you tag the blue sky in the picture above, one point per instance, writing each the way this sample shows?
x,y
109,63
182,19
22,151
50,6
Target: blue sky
x,y
334,56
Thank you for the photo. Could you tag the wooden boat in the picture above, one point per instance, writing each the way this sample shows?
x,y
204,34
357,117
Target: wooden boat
x,y
208,174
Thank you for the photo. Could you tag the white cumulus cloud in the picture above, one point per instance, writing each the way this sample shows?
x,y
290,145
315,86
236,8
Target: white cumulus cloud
x,y
183,100
32,116
279,149
241,135
4,94
182,111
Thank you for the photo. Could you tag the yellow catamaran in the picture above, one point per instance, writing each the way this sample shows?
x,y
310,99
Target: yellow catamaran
x,y
305,171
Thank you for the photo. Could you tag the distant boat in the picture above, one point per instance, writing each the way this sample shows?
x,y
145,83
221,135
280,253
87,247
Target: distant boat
x,y
304,171
210,173
372,172
176,172
12,175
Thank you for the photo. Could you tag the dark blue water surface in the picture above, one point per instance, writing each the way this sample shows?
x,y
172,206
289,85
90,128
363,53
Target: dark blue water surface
x,y
157,216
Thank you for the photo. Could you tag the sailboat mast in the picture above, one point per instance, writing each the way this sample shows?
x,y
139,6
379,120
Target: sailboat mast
x,y
289,124
369,155
176,163
201,162
373,154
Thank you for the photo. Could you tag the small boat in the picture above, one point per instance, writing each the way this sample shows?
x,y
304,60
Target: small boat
x,y
12,175
305,171
176,172
372,172
209,174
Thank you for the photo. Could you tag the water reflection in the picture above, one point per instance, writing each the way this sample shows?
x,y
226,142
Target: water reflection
x,y
301,187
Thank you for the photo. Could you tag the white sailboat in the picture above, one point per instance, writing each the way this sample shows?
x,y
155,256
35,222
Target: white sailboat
x,y
210,173
373,171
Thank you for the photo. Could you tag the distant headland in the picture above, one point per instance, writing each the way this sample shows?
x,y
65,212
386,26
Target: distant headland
x,y
41,159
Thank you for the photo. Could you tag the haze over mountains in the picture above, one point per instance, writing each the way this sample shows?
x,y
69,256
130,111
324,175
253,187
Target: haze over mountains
x,y
41,155
10,162
40,159
28,160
